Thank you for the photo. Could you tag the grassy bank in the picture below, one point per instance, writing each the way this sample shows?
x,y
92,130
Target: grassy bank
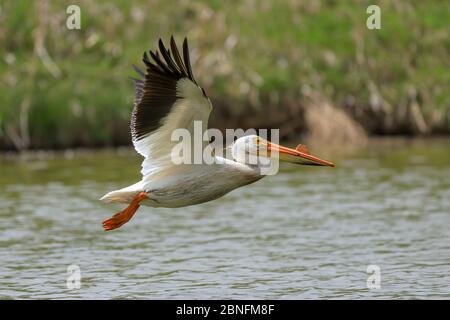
x,y
263,63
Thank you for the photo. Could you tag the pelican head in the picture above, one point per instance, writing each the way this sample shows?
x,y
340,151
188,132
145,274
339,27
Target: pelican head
x,y
252,149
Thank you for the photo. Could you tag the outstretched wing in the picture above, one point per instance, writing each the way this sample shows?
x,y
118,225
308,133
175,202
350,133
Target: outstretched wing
x,y
167,98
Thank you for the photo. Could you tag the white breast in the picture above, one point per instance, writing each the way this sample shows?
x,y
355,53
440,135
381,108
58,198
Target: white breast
x,y
185,185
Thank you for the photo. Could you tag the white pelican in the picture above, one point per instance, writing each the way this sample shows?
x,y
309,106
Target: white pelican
x,y
167,98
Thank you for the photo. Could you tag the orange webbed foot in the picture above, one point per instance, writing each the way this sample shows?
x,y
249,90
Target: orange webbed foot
x,y
125,215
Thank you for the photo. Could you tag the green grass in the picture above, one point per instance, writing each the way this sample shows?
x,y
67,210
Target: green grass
x,y
280,49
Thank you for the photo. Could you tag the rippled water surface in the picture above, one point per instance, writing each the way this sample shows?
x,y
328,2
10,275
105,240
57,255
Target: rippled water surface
x,y
305,233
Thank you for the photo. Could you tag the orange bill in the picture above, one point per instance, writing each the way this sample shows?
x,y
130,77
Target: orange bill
x,y
297,155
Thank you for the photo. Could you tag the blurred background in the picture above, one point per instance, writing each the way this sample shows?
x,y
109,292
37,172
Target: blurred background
x,y
307,67
375,102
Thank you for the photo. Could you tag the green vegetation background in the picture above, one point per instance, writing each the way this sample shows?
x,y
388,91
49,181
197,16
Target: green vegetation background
x,y
256,59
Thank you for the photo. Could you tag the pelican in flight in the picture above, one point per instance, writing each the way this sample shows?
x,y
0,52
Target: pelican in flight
x,y
168,97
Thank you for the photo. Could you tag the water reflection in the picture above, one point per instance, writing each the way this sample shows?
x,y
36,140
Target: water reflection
x,y
305,233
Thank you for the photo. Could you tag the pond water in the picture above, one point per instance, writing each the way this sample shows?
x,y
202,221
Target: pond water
x,y
305,233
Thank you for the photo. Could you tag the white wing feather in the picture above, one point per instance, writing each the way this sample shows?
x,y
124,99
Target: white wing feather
x,y
191,106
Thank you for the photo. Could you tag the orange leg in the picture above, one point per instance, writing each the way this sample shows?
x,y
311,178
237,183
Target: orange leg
x,y
125,215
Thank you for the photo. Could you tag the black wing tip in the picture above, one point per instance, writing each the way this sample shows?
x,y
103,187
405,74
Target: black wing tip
x,y
145,58
136,80
186,46
187,60
138,71
169,62
162,47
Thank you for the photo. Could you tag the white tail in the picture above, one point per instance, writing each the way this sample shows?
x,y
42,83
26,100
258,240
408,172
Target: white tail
x,y
124,195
